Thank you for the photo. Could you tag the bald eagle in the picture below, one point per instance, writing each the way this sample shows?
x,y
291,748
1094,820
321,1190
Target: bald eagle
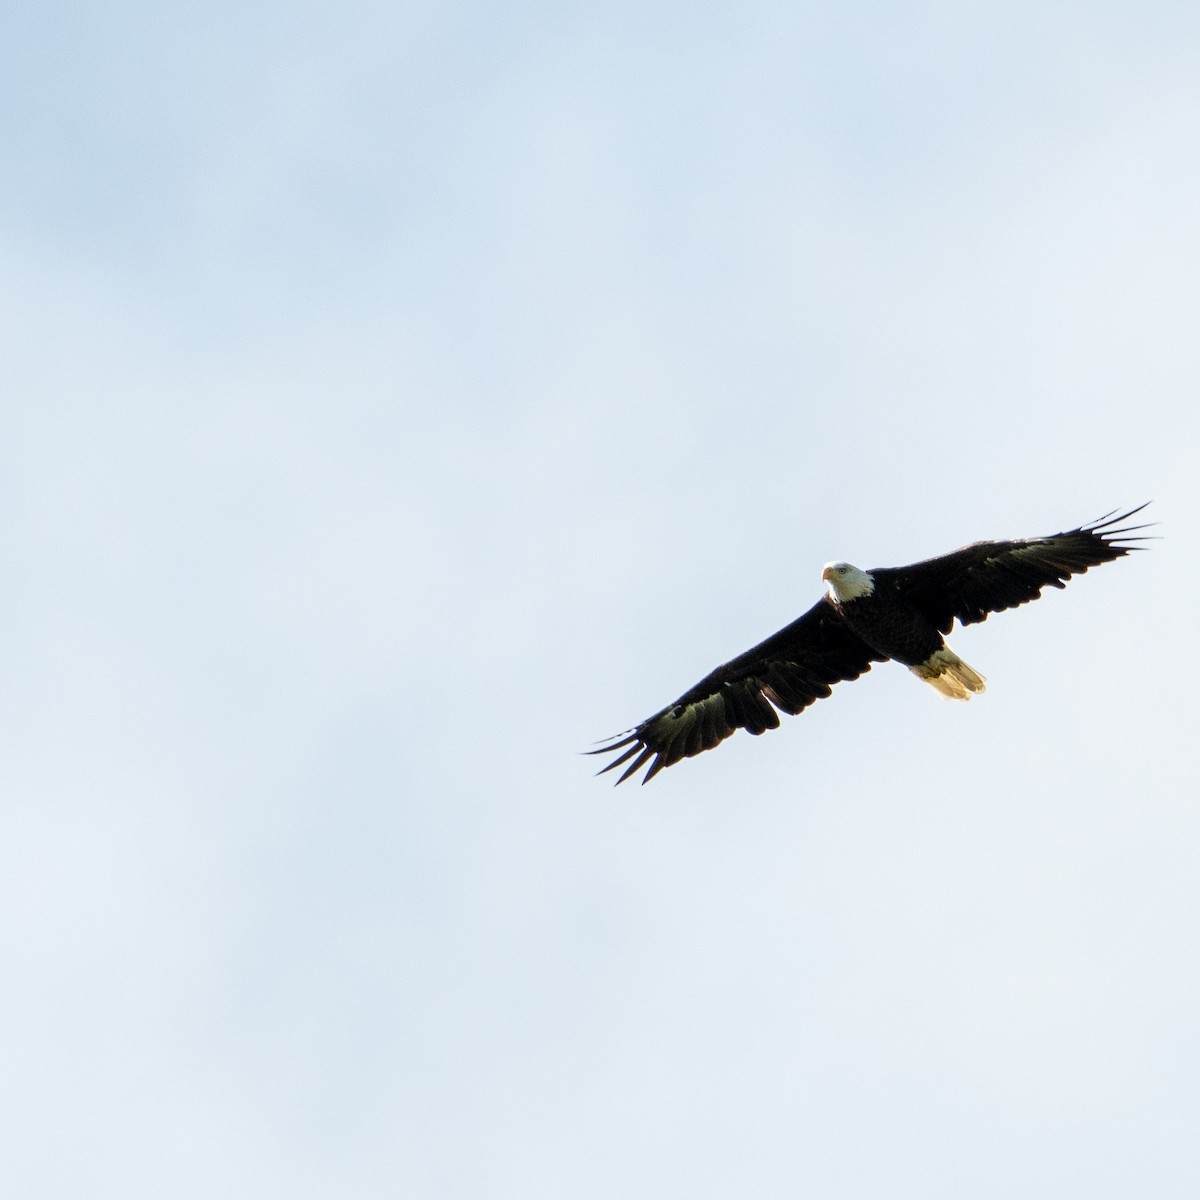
x,y
899,613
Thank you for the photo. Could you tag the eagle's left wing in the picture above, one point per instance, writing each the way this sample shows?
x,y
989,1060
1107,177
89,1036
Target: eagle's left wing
x,y
988,577
788,671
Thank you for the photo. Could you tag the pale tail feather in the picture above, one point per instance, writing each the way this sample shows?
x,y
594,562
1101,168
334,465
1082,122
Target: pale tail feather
x,y
948,673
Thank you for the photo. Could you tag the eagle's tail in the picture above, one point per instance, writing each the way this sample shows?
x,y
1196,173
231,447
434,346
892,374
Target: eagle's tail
x,y
949,674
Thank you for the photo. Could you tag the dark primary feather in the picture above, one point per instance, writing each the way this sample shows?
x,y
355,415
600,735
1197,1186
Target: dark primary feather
x,y
988,577
789,671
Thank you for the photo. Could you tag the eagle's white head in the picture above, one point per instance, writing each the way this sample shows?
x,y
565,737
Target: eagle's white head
x,y
847,582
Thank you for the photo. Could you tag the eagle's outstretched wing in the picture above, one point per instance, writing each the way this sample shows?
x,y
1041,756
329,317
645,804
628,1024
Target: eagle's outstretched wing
x,y
988,577
788,671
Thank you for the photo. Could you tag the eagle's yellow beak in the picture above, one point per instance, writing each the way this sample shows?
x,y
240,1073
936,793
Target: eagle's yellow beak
x,y
827,574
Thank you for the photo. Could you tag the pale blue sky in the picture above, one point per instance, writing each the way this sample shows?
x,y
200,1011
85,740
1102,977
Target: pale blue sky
x,y
397,401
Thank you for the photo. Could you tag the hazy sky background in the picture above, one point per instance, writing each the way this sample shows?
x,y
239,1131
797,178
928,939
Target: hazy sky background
x,y
400,398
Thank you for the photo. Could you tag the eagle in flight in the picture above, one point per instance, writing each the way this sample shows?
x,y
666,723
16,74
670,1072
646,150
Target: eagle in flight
x,y
900,613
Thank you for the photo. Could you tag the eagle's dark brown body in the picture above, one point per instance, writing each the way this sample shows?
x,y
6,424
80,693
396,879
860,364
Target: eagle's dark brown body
x,y
890,625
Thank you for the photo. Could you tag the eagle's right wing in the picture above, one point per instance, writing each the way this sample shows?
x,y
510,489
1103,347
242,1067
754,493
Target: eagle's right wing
x,y
988,577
